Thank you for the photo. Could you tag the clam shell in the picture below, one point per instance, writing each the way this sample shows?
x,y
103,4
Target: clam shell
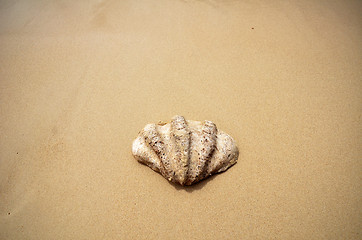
x,y
185,151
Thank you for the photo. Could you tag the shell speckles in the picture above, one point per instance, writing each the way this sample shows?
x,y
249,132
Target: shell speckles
x,y
185,151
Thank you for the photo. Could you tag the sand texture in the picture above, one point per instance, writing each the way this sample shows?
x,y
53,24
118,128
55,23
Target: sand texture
x,y
79,79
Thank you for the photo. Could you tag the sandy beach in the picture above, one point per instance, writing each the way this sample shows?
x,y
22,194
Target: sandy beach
x,y
79,79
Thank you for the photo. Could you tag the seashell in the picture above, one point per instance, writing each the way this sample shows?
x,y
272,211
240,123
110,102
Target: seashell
x,y
185,151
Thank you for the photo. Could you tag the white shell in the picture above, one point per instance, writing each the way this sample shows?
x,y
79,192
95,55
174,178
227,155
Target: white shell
x,y
185,152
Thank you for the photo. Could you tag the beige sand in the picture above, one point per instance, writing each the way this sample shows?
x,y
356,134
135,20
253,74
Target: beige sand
x,y
78,81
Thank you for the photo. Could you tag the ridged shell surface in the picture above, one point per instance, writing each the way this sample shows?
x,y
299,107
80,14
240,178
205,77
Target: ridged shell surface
x,y
185,151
